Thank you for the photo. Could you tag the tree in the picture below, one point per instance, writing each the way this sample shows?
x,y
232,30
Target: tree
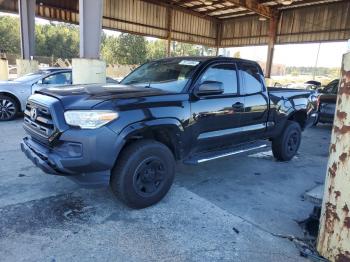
x,y
109,49
156,49
9,35
131,49
57,40
184,49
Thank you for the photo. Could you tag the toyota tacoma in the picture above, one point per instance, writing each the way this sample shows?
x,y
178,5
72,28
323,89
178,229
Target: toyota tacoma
x,y
188,109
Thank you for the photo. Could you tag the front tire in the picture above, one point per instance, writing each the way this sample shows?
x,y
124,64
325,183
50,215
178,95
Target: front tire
x,y
143,174
8,108
286,145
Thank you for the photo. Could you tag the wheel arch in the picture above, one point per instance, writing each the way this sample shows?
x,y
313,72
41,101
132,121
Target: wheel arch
x,y
5,93
299,116
167,131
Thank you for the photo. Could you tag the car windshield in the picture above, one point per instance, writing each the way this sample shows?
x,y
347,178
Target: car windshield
x,y
29,77
169,75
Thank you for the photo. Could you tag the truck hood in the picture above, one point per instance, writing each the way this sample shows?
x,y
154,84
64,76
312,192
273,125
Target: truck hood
x,y
88,96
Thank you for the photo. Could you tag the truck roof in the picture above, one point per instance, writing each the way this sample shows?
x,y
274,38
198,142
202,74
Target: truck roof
x,y
207,59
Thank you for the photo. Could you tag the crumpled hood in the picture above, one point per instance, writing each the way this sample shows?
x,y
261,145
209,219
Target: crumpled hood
x,y
88,96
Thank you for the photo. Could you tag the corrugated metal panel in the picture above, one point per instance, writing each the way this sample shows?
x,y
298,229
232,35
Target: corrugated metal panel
x,y
244,31
194,29
327,22
135,17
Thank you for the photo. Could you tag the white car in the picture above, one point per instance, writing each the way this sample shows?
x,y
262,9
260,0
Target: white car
x,y
14,94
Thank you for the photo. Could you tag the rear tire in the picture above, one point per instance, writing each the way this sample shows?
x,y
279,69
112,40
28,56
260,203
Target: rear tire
x,y
286,145
143,174
8,108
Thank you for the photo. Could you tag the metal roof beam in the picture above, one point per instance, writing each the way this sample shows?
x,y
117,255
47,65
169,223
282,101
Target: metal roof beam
x,y
174,6
254,6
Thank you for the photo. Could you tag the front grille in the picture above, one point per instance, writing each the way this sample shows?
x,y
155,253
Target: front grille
x,y
38,122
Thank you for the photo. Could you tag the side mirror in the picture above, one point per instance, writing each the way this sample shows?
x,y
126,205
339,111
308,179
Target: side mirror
x,y
210,88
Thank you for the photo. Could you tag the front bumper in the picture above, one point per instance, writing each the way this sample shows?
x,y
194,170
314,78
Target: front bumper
x,y
88,160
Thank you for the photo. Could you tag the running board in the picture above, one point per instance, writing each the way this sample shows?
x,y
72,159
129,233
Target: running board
x,y
205,157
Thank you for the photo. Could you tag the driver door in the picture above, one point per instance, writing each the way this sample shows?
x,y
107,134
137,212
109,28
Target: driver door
x,y
55,79
216,118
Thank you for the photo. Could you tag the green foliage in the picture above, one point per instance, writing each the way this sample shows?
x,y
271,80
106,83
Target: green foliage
x,y
60,40
156,49
131,49
184,49
109,49
9,35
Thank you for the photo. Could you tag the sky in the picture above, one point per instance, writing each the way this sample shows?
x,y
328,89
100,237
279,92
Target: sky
x,y
330,53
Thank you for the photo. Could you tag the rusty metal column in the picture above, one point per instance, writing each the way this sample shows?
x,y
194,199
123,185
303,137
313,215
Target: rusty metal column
x,y
271,44
170,25
334,235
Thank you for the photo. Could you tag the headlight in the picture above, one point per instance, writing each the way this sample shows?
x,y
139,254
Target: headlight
x,y
89,119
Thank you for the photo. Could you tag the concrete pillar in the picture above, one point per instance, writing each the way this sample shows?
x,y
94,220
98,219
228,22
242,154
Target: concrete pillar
x,y
90,23
89,69
334,234
271,45
4,70
25,66
27,24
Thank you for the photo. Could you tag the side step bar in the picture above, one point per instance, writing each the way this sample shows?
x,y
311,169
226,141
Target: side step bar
x,y
204,157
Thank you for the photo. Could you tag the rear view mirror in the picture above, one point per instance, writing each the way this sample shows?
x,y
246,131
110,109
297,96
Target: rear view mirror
x,y
210,88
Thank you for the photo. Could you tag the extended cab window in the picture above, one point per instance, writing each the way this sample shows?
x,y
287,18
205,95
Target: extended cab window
x,y
225,73
251,78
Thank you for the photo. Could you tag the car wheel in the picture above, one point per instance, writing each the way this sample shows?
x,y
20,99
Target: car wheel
x,y
8,108
286,145
143,174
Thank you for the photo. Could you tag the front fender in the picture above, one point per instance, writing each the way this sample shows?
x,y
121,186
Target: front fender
x,y
139,127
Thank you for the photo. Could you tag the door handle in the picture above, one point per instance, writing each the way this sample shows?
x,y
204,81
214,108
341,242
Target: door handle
x,y
238,105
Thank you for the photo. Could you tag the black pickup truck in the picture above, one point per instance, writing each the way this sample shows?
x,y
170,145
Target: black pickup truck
x,y
189,109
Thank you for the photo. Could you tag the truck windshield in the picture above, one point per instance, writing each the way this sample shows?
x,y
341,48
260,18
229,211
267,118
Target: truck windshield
x,y
169,75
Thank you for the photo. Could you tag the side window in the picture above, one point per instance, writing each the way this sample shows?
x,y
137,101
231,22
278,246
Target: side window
x,y
335,87
58,79
225,73
251,78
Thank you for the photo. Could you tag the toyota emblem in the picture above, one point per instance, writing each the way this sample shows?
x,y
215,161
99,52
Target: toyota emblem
x,y
33,114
